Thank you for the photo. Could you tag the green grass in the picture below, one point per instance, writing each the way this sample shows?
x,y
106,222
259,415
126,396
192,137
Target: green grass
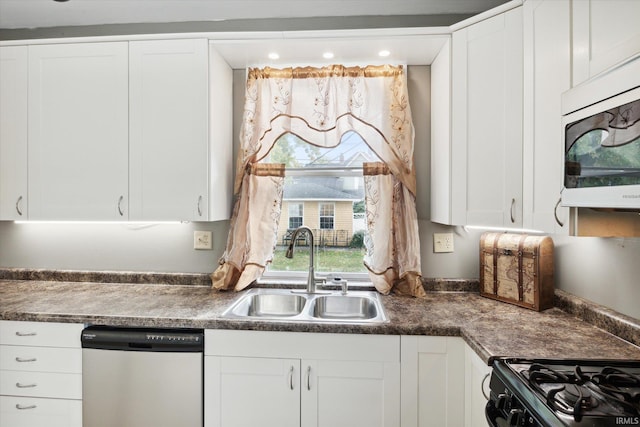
x,y
339,260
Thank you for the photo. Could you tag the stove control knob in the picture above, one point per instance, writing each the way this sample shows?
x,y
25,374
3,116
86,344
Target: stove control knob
x,y
516,417
501,401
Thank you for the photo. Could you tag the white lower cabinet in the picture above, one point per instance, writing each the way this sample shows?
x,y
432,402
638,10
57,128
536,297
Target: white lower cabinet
x,y
432,381
40,374
300,379
441,383
476,385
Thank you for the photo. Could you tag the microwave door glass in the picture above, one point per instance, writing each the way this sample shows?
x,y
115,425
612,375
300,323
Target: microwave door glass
x,y
604,149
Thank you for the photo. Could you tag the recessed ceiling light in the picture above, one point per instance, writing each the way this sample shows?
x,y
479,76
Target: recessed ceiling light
x,y
274,55
328,55
384,53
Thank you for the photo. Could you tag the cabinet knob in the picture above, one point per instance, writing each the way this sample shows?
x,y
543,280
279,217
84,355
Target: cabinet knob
x,y
513,205
291,378
18,208
555,213
120,211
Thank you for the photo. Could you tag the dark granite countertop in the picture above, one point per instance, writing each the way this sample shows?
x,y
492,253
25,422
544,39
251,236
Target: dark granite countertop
x,y
491,328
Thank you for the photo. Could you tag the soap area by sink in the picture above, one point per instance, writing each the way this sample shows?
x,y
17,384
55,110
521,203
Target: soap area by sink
x,y
289,305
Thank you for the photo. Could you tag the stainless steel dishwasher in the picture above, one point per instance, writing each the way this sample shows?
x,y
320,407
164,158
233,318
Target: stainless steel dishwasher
x,y
142,377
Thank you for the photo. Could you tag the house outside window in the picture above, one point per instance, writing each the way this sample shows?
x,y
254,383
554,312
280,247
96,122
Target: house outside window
x,y
324,190
327,212
296,215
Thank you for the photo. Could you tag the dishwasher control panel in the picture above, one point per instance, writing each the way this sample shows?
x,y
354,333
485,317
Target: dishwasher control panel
x,y
143,339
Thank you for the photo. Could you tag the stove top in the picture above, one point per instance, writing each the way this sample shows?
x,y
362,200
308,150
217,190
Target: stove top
x,y
566,392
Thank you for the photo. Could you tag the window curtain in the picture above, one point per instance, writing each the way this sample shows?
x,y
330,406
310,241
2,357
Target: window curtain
x,y
392,245
319,105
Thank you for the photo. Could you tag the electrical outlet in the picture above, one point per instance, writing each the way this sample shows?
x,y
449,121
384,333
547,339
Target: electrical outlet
x,y
202,240
442,242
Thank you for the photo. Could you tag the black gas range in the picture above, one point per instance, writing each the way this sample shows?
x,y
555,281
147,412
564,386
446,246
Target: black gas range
x,y
564,393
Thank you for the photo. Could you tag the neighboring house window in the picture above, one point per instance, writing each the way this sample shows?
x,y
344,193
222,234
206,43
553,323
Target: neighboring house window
x,y
327,214
295,215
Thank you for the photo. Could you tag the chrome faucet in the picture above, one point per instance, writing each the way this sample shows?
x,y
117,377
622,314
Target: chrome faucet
x,y
311,280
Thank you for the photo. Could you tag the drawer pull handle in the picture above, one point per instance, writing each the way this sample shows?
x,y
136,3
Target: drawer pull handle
x,y
19,385
22,407
26,334
308,377
199,206
22,360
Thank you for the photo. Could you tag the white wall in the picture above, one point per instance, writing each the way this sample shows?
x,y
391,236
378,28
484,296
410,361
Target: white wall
x,y
601,270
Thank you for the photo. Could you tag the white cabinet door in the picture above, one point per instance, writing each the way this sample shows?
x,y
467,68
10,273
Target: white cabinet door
x,y
476,389
169,130
432,381
487,122
350,393
547,73
13,132
337,379
248,392
78,131
605,34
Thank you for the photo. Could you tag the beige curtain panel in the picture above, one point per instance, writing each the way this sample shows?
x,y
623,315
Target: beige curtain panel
x,y
320,105
254,226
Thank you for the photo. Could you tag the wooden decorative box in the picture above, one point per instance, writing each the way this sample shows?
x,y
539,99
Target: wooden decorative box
x,y
518,269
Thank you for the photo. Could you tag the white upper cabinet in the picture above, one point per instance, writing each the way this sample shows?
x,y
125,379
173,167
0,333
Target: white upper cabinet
x,y
169,148
486,123
605,34
13,132
547,73
78,131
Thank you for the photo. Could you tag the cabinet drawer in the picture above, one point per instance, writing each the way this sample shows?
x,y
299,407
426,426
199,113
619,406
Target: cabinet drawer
x,y
41,384
40,334
33,412
41,359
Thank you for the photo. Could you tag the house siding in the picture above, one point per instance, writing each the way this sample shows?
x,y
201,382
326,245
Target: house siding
x,y
342,222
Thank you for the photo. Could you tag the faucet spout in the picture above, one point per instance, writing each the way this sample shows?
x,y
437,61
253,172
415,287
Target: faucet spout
x,y
311,280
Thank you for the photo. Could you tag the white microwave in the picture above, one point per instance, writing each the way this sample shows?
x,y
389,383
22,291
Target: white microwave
x,y
602,147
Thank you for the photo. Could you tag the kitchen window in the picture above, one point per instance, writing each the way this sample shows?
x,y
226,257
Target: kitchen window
x,y
324,190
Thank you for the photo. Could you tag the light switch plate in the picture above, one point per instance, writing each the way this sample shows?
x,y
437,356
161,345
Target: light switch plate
x,y
442,242
202,240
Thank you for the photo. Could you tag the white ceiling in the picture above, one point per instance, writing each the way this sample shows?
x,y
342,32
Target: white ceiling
x,y
49,13
73,18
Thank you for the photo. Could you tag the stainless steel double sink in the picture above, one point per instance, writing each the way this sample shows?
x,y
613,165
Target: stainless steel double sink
x,y
299,306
